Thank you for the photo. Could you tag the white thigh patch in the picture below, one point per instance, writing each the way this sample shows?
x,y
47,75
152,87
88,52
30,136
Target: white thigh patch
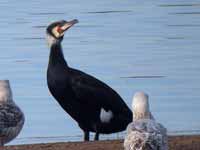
x,y
105,116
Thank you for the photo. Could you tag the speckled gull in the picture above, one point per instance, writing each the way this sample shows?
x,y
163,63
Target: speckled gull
x,y
144,133
11,117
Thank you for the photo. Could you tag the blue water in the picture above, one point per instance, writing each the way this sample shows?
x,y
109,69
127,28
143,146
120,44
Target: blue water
x,y
114,39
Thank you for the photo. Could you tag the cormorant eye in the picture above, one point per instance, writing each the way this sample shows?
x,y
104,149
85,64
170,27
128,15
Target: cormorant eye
x,y
59,30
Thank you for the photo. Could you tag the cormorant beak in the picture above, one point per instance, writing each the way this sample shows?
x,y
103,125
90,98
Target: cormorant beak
x,y
68,24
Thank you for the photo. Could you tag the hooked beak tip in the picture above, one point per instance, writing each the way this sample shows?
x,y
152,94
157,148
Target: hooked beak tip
x,y
69,24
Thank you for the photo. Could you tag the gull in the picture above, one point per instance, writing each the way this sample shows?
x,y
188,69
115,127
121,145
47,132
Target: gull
x,y
11,117
144,133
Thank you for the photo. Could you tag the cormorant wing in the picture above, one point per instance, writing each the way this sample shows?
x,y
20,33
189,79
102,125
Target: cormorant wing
x,y
93,91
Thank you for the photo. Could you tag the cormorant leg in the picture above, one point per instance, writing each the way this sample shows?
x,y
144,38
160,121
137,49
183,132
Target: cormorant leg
x,y
1,143
96,138
86,136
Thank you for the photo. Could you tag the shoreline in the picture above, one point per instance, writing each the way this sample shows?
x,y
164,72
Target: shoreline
x,y
182,142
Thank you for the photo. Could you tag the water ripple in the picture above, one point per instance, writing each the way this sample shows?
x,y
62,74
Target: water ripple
x,y
40,26
175,38
144,76
186,13
48,13
183,25
29,38
22,61
109,11
178,5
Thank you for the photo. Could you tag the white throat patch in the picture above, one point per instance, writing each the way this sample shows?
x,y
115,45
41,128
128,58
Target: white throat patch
x,y
50,40
105,116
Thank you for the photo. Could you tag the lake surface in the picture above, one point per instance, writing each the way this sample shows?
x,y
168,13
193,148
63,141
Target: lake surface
x,y
131,45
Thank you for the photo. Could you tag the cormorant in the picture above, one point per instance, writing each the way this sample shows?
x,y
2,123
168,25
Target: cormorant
x,y
144,133
11,117
94,105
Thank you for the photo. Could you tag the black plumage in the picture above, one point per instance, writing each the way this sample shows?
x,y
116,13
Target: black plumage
x,y
94,105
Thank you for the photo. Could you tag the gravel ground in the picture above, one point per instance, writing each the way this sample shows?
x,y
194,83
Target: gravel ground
x,y
189,142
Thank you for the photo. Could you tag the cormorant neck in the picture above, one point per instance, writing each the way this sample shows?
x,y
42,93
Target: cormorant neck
x,y
56,54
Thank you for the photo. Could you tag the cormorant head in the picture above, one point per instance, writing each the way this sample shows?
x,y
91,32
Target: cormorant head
x,y
55,31
140,106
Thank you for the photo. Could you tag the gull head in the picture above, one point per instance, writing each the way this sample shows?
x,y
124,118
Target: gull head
x,y
5,91
140,106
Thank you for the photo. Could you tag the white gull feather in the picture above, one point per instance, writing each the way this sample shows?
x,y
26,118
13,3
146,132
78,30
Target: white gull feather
x,y
11,117
144,133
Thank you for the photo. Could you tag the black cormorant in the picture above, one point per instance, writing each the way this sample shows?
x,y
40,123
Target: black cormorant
x,y
93,104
